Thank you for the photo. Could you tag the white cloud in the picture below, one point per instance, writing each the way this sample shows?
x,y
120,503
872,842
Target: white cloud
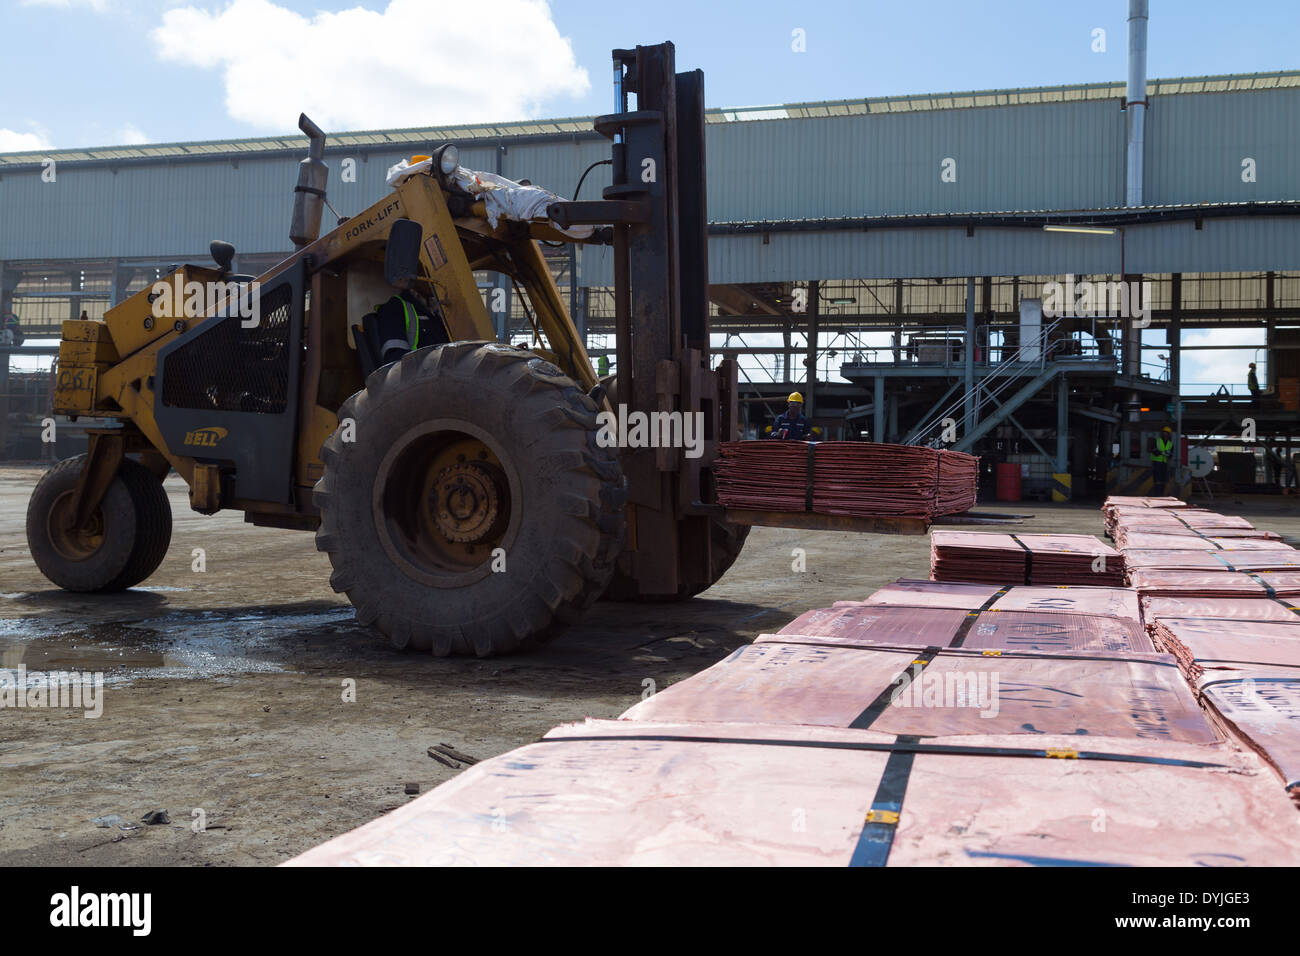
x,y
12,141
414,63
131,135
1204,371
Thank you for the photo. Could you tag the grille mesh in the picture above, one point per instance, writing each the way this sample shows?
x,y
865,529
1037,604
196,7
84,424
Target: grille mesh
x,y
233,369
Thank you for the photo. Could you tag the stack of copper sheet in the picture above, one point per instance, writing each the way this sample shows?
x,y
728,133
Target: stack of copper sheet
x,y
1213,560
1208,583
1103,602
1072,559
1225,608
1129,501
1261,706
978,556
860,479
992,629
1067,599
1174,528
909,593
1222,583
1209,522
1173,560
655,793
1248,672
958,481
1262,610
1023,558
1126,541
1201,644
1117,505
1265,541
884,722
802,679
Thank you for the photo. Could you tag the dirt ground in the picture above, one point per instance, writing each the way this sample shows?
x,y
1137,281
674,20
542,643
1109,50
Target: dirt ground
x,y
224,688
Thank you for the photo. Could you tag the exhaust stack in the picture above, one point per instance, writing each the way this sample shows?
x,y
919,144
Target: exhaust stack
x,y
1136,104
309,194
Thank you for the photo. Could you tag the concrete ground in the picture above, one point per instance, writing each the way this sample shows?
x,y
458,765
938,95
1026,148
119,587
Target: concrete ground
x,y
224,698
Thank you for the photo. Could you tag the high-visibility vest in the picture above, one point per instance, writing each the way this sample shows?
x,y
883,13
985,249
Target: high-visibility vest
x,y
412,326
1163,448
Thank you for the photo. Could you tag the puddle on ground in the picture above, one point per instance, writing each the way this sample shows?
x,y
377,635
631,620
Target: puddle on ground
x,y
179,644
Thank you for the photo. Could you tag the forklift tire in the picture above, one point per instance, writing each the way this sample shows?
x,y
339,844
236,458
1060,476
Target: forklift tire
x,y
728,539
466,506
128,537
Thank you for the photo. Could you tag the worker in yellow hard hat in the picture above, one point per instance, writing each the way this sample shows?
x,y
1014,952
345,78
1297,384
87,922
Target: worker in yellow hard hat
x,y
790,424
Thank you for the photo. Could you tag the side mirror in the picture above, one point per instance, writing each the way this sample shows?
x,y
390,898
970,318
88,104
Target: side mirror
x,y
402,254
223,253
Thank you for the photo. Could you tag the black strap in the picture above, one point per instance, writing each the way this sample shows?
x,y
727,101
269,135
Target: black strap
x,y
804,641
1202,536
1268,588
919,663
876,838
809,472
1029,560
898,744
1222,560
1288,605
971,617
895,687
309,189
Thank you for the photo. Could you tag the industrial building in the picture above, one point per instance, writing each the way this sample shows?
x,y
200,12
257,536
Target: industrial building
x,y
886,256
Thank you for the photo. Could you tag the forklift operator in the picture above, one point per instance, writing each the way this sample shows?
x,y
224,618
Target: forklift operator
x,y
791,424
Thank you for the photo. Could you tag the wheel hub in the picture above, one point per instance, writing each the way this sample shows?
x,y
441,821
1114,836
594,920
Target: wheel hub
x,y
444,504
464,502
71,542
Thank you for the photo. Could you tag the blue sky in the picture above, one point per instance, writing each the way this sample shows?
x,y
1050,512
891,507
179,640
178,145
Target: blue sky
x,y
98,72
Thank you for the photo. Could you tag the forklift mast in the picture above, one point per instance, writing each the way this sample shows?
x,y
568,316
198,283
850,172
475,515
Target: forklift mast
x,y
656,203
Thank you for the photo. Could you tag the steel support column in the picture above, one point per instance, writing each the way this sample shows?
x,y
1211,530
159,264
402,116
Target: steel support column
x,y
878,411
968,352
810,380
1063,425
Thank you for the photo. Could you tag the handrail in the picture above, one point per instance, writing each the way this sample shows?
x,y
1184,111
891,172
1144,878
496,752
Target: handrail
x,y
922,436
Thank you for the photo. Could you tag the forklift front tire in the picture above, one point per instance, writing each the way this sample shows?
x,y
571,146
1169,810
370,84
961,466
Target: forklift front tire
x,y
122,544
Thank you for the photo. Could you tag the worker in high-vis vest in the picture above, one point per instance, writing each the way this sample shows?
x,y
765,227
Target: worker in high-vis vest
x,y
396,326
399,329
1164,447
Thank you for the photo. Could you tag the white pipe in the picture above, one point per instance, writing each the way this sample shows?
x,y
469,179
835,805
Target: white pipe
x,y
1136,100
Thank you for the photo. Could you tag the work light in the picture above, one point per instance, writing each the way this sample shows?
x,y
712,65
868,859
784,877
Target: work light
x,y
448,158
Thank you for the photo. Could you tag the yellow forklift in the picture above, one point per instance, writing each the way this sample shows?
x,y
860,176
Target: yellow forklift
x,y
461,487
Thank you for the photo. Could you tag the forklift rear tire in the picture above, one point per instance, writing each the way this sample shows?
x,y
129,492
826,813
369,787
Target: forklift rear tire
x,y
468,508
125,542
728,539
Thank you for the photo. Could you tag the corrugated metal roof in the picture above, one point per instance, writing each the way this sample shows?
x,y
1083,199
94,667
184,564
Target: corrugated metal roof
x,y
1100,214
1227,245
921,102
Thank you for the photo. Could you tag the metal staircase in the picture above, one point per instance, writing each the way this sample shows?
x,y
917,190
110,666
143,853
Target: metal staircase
x,y
995,383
